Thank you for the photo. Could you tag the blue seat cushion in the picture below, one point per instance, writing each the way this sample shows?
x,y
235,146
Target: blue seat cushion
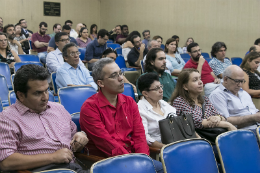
x,y
10,87
128,69
5,103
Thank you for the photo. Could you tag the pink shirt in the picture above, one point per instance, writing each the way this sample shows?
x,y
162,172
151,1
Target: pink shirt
x,y
38,37
83,44
26,132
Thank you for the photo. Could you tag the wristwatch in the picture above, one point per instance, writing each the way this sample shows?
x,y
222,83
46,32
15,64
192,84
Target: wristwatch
x,y
83,133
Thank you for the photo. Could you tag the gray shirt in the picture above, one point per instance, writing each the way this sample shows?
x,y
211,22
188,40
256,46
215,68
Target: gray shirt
x,y
230,105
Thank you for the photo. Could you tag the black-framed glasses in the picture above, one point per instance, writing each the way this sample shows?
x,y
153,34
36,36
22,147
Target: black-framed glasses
x,y
237,81
157,88
116,75
197,51
178,60
62,40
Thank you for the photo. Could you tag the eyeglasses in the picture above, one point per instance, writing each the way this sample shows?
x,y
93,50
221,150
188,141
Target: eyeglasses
x,y
116,75
23,22
237,81
5,40
63,40
75,53
197,51
157,88
44,29
178,60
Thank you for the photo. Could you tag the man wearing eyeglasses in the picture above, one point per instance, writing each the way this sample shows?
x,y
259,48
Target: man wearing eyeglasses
x,y
40,41
209,79
110,119
71,73
233,102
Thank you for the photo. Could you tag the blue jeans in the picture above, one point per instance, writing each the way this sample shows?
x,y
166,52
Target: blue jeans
x,y
158,166
42,56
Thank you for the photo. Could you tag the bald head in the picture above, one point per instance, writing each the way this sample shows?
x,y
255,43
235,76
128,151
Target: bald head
x,y
254,48
79,26
232,69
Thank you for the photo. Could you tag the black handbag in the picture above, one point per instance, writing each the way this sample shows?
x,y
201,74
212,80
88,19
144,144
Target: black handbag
x,y
174,128
210,133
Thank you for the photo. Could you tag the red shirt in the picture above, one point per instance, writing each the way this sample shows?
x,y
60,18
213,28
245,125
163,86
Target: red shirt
x,y
113,130
206,76
38,37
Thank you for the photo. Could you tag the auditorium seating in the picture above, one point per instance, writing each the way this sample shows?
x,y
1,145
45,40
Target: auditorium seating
x,y
18,65
162,46
113,45
82,53
1,105
194,156
236,61
26,57
129,91
58,171
75,119
119,51
205,55
142,66
5,71
110,41
121,63
239,152
185,56
4,91
53,78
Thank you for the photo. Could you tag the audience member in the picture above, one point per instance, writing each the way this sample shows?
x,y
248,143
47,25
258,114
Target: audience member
x,y
84,25
111,119
121,38
252,76
40,41
159,39
71,73
1,24
83,40
72,31
256,46
189,41
39,134
233,102
52,46
55,59
14,44
146,35
127,45
172,55
117,31
56,29
96,47
187,99
6,54
137,53
93,32
179,49
25,31
210,81
152,108
75,35
219,62
156,63
19,36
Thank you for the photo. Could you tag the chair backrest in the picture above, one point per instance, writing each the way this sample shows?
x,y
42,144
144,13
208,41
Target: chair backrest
x,y
119,50
192,155
72,98
30,42
75,119
53,81
27,57
3,89
5,71
162,46
129,91
110,41
238,152
208,59
1,106
18,65
58,171
186,59
142,65
82,53
51,97
236,60
12,80
128,163
205,54
185,55
120,62
113,45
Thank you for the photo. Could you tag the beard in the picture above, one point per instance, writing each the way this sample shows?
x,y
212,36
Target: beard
x,y
196,58
11,37
42,32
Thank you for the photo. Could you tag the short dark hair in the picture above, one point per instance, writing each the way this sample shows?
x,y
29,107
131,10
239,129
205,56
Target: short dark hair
x,y
123,26
156,37
26,73
91,28
81,30
66,27
118,26
68,21
20,21
44,24
84,25
215,48
102,33
146,80
59,35
108,51
191,46
7,26
150,57
66,47
132,38
175,36
128,38
55,26
145,32
257,41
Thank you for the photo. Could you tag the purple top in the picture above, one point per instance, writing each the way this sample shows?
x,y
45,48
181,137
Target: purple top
x,y
38,37
120,36
81,43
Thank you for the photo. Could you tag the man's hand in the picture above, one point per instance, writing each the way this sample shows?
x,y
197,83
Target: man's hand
x,y
16,42
114,29
79,141
30,35
217,81
142,47
63,155
201,60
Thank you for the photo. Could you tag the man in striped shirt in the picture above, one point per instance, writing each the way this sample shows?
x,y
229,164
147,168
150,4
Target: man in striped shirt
x,y
36,133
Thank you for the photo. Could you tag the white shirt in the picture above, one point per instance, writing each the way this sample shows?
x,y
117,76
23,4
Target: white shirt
x,y
151,119
73,33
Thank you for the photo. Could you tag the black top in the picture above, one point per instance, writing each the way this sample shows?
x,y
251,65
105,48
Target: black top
x,y
9,57
254,80
26,33
133,56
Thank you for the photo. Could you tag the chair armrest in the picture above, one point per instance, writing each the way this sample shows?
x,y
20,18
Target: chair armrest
x,y
24,171
137,68
86,157
84,61
256,96
154,150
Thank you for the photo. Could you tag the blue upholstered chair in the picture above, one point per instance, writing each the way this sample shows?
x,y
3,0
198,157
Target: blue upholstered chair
x,y
27,57
194,156
205,55
110,41
129,91
121,63
142,66
54,85
186,59
208,59
128,163
72,98
236,61
5,71
239,152
185,55
113,45
18,65
119,50
59,171
162,46
12,80
51,97
1,106
4,91
75,119
82,53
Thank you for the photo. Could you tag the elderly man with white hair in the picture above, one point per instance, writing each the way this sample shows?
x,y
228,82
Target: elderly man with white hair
x,y
233,102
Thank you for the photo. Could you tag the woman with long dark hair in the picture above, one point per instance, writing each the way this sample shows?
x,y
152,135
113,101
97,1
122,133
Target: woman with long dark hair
x,y
83,40
93,31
